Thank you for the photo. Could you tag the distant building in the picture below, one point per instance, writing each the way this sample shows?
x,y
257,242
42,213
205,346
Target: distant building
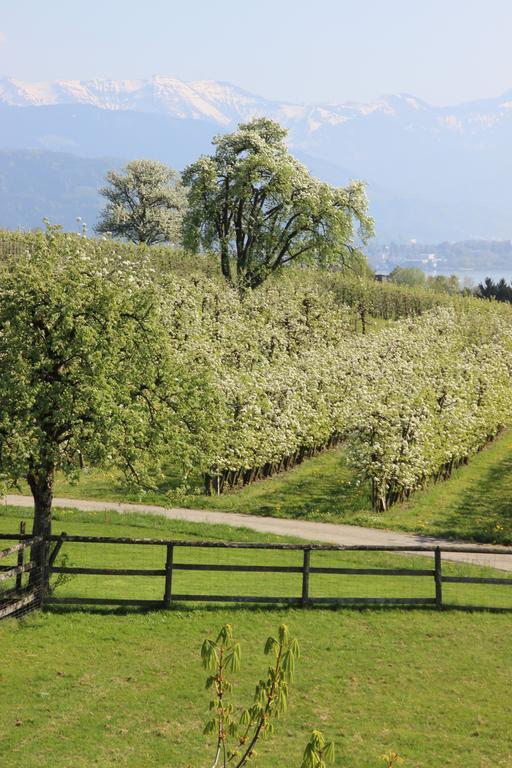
x,y
380,278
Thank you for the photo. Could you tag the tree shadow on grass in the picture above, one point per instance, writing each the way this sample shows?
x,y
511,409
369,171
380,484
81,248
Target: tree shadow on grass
x,y
312,498
322,487
483,512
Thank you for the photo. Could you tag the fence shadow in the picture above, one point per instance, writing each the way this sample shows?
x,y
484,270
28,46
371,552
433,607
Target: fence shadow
x,y
281,610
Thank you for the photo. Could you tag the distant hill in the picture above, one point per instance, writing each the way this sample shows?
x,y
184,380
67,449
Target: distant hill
x,y
92,132
434,173
400,217
60,187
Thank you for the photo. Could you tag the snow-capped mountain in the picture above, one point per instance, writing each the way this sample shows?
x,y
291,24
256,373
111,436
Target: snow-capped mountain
x,y
433,173
226,104
221,103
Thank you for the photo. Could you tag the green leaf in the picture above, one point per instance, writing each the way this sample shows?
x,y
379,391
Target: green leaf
x,y
311,758
283,634
225,635
210,727
294,648
271,645
298,217
209,655
329,752
288,665
233,658
245,718
282,702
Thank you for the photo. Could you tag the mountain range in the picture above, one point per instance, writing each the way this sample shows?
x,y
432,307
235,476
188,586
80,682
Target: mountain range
x,y
433,173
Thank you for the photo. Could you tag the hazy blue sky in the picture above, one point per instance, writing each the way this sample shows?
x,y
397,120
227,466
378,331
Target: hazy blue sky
x,y
444,51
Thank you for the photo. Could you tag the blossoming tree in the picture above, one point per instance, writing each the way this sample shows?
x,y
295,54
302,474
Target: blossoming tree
x,y
260,209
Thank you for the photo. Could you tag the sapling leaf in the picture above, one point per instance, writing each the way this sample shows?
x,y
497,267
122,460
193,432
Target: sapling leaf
x,y
271,645
209,655
310,758
210,727
233,658
225,635
282,703
245,718
329,752
288,665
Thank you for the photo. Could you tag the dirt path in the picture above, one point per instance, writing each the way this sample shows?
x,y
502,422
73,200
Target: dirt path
x,y
331,533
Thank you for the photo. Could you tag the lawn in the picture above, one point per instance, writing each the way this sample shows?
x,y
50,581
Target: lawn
x,y
474,504
89,688
118,688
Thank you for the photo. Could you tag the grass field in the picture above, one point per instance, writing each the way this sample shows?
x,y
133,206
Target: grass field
x,y
116,688
125,688
474,504
84,689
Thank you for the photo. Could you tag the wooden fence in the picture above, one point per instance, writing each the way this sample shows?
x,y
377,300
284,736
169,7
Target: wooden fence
x,y
433,571
17,597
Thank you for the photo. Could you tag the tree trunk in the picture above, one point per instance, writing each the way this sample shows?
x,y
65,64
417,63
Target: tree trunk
x,y
207,479
362,314
41,485
225,262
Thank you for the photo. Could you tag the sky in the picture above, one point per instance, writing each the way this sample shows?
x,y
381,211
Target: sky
x,y
443,51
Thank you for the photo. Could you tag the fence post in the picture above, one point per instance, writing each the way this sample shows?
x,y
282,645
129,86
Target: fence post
x,y
438,578
168,576
305,576
21,559
45,570
56,549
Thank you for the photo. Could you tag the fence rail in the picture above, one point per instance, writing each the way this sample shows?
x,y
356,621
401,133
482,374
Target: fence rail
x,y
191,543
305,570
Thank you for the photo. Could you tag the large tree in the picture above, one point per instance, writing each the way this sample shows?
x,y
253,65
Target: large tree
x,y
255,204
145,203
87,373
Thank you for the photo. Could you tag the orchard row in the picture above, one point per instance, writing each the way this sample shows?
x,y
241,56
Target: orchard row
x,y
132,357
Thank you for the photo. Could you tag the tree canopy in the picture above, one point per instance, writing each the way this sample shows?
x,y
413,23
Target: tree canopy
x,y
145,203
501,291
261,209
88,375
444,283
415,277
410,276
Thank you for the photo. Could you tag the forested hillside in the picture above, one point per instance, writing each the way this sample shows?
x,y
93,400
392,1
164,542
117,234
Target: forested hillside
x,y
35,185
